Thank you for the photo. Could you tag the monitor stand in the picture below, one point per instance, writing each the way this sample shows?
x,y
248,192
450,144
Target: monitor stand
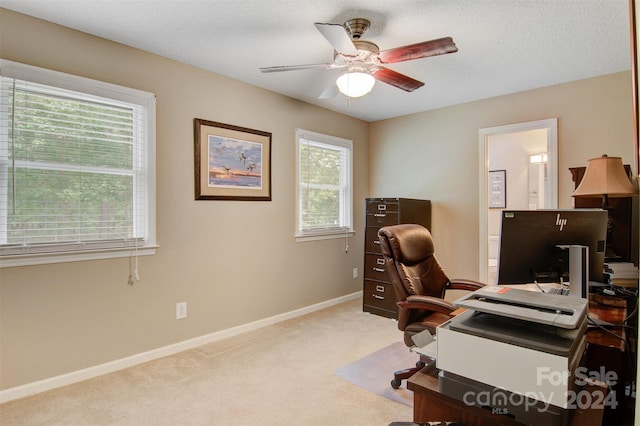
x,y
579,271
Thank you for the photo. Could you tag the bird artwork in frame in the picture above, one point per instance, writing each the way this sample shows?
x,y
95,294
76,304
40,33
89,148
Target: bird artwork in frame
x,y
231,162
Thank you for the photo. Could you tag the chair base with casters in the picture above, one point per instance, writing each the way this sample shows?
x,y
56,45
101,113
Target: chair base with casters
x,y
401,375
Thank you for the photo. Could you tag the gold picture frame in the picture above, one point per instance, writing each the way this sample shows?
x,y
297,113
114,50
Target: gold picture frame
x,y
231,162
634,21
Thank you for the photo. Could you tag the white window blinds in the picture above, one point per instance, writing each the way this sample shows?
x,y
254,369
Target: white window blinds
x,y
324,184
74,169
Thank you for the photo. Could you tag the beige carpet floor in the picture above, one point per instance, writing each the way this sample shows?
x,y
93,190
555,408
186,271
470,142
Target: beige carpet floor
x,y
284,374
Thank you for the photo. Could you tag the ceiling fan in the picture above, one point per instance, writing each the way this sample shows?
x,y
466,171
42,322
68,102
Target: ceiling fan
x,y
363,60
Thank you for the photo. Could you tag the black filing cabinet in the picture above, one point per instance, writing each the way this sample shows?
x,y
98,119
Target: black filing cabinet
x,y
379,297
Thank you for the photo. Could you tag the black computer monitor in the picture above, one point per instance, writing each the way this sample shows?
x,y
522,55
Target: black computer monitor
x,y
529,241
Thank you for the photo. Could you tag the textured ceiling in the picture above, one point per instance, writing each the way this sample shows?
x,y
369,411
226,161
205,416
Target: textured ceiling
x,y
505,46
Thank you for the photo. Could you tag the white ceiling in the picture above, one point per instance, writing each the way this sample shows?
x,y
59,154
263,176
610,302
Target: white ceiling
x,y
505,46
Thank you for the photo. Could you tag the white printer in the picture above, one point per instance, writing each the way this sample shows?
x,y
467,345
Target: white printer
x,y
514,351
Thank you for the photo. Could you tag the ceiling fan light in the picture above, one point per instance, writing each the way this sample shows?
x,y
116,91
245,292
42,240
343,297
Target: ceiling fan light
x,y
355,84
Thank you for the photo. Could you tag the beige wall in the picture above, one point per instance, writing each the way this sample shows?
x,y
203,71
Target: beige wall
x,y
236,262
233,262
435,154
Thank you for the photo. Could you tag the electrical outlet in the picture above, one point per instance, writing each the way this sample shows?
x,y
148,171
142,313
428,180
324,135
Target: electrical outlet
x,y
355,272
181,310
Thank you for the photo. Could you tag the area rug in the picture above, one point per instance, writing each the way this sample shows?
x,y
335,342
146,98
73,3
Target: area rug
x,y
375,371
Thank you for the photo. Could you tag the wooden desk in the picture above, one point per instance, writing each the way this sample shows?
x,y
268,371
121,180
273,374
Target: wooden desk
x,y
612,310
429,405
603,350
608,353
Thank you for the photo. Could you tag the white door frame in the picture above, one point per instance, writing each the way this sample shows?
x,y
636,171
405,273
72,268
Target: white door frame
x,y
551,126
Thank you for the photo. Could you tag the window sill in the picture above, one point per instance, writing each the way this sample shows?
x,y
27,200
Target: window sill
x,y
75,256
326,236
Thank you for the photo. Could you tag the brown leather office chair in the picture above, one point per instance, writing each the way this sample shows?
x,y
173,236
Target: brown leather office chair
x,y
419,283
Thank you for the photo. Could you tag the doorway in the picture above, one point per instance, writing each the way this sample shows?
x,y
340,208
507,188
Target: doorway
x,y
528,155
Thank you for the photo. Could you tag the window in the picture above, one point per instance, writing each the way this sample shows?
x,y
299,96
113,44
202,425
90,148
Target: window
x,y
77,168
324,186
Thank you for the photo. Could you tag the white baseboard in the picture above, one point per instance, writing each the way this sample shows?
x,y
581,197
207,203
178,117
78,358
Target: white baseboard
x,y
130,361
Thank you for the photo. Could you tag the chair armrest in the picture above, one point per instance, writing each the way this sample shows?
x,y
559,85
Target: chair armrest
x,y
470,285
427,303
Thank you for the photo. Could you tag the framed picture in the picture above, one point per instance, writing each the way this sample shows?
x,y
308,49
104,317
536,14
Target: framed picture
x,y
231,162
497,189
635,65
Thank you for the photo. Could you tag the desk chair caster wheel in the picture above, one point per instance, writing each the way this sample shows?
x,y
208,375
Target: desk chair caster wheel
x,y
396,383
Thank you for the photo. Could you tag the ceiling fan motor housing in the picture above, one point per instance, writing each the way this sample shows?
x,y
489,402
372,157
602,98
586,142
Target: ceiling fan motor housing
x,y
367,52
356,27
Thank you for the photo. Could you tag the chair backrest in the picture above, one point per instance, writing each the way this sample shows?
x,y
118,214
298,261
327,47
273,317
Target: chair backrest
x,y
410,262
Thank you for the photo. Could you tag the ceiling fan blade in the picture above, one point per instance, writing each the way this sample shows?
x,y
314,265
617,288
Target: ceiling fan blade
x,y
327,66
337,36
396,79
331,91
424,49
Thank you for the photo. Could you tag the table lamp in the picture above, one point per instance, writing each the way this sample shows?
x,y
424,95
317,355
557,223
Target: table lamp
x,y
606,177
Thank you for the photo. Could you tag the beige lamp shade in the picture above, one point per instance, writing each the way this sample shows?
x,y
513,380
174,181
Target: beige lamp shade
x,y
605,176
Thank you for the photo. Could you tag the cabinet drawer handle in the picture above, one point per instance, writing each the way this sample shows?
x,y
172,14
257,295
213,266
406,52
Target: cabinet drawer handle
x,y
380,288
378,269
378,297
380,261
382,207
376,241
380,215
